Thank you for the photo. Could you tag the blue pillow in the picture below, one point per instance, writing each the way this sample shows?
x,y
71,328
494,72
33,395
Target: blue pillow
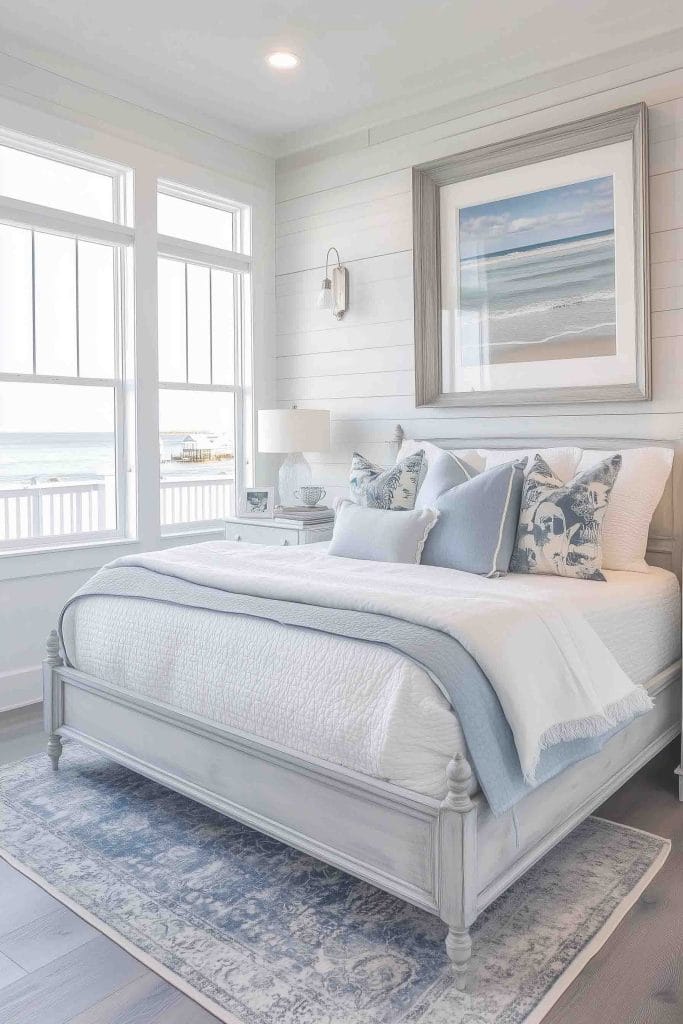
x,y
445,471
477,524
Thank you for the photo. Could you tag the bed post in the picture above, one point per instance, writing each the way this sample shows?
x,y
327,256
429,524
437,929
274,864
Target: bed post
x,y
51,698
457,864
396,441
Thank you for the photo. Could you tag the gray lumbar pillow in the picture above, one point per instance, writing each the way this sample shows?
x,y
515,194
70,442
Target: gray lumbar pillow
x,y
477,523
444,472
380,535
393,488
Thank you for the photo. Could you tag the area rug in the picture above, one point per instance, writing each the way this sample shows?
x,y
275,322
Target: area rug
x,y
261,934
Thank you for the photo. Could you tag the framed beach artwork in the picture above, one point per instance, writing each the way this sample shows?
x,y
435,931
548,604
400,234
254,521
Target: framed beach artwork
x,y
531,268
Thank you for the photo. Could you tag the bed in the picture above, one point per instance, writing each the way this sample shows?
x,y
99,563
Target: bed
x,y
370,771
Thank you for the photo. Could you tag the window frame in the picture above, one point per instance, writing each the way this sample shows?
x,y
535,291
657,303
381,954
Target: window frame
x,y
119,235
239,262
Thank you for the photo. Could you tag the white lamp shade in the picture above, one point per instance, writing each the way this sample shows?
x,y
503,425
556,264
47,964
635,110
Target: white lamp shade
x,y
325,300
293,430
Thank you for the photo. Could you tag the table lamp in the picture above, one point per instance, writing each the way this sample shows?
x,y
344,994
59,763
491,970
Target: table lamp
x,y
291,432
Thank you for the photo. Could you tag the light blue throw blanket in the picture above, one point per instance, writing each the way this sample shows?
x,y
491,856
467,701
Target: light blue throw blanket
x,y
489,739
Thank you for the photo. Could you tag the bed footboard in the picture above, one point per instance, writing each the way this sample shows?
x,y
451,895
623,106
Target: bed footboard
x,y
418,848
450,857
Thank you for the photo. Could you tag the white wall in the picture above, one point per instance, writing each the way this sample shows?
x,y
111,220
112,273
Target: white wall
x,y
359,199
33,589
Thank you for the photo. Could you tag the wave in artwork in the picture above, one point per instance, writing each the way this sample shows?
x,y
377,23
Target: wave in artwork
x,y
532,286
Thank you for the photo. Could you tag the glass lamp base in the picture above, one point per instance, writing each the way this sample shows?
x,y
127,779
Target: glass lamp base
x,y
295,472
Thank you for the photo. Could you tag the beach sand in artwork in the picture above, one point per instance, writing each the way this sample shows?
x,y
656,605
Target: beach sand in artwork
x,y
578,346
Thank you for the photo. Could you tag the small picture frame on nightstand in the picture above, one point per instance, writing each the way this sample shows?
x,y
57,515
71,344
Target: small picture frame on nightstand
x,y
257,502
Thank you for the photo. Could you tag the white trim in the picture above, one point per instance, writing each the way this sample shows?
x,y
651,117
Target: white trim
x,y
20,688
200,196
206,255
174,385
57,542
62,154
64,558
494,570
46,378
60,222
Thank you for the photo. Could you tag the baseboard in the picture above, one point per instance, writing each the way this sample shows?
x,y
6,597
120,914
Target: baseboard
x,y
20,688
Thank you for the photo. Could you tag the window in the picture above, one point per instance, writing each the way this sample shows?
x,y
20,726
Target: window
x,y
202,323
63,253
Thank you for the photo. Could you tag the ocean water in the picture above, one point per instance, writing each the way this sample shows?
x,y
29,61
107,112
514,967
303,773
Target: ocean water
x,y
552,300
40,457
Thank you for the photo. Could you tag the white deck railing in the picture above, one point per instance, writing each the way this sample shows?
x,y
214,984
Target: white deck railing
x,y
51,510
64,509
195,500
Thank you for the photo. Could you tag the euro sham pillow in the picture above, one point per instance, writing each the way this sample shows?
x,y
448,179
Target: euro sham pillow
x,y
637,491
560,524
562,461
432,451
395,488
477,523
445,471
380,535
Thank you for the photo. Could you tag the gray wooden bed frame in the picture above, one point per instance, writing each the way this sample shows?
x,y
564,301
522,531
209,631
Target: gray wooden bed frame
x,y
450,857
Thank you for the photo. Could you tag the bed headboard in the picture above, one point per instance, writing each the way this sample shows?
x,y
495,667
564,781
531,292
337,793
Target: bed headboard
x,y
665,546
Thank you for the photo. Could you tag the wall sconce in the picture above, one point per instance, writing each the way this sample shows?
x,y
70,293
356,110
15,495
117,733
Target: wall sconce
x,y
334,293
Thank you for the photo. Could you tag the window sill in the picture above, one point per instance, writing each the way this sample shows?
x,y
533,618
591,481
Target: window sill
x,y
192,536
65,558
85,556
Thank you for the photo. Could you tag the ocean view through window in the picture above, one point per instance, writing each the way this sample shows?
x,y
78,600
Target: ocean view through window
x,y
201,322
64,247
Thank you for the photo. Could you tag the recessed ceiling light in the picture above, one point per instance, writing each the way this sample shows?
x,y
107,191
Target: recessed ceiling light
x,y
283,60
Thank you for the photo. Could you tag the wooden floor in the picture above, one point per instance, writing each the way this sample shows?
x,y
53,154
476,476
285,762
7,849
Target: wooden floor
x,y
55,969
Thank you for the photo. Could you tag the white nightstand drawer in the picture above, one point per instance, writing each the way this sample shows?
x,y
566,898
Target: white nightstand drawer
x,y
253,533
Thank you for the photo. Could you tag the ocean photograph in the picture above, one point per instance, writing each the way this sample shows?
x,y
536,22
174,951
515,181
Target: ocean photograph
x,y
537,276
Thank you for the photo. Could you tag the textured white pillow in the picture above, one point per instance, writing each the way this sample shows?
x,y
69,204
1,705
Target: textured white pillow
x,y
432,451
380,534
636,493
563,461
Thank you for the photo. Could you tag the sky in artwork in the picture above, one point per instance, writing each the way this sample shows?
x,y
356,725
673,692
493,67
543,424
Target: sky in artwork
x,y
537,218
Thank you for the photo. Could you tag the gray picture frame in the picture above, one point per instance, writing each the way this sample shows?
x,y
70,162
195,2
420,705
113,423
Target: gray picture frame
x,y
625,124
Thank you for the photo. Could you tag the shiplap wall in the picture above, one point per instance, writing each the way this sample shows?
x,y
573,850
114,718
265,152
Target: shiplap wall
x,y
362,367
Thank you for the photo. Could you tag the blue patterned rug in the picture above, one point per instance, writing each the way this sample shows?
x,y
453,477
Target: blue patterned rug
x,y
262,934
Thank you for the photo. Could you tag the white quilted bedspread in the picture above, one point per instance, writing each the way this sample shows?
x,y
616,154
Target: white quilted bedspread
x,y
359,705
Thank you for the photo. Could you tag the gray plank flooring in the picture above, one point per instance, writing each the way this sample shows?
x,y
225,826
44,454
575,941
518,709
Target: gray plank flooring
x,y
56,969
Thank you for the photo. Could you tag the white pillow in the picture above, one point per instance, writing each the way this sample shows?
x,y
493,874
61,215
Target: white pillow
x,y
380,534
432,451
636,493
563,461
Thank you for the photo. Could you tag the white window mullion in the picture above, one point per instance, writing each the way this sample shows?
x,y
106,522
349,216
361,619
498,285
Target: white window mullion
x,y
143,383
73,225
174,385
46,378
206,255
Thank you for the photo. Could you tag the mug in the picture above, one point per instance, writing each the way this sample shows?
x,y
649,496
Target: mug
x,y
310,495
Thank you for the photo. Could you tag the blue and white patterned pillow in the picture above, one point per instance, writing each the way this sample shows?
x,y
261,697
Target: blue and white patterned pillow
x,y
394,488
560,525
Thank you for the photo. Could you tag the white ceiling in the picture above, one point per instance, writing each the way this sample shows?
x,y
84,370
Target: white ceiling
x,y
359,57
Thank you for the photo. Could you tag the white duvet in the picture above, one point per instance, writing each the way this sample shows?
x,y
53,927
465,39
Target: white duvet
x,y
554,676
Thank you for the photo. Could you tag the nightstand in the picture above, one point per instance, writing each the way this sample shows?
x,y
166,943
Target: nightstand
x,y
275,531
